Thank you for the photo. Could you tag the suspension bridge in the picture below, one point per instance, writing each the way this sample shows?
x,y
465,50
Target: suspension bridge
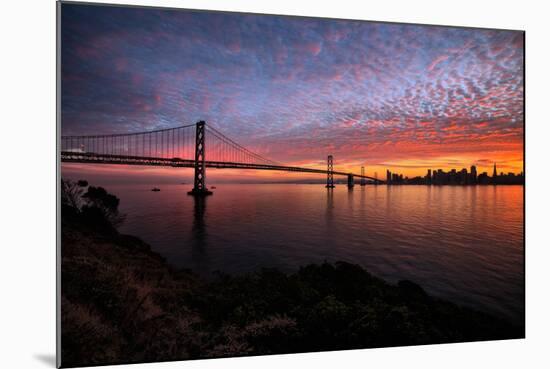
x,y
185,146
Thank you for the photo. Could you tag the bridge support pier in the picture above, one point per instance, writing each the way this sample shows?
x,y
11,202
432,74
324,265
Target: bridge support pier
x,y
330,174
351,182
363,181
199,188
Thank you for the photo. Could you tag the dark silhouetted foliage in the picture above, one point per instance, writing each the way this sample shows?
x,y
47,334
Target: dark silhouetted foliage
x,y
122,303
100,203
96,206
71,195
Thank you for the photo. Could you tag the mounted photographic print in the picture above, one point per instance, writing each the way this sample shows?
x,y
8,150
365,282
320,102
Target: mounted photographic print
x,y
242,184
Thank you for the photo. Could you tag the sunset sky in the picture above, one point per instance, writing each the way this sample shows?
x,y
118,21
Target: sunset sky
x,y
399,97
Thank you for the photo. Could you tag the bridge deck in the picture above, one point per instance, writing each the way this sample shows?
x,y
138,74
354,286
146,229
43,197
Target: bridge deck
x,y
92,158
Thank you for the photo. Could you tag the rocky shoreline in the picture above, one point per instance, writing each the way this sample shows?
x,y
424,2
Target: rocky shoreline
x,y
122,303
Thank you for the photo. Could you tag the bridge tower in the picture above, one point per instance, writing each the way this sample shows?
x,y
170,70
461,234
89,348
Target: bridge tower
x,y
351,182
330,174
199,188
363,182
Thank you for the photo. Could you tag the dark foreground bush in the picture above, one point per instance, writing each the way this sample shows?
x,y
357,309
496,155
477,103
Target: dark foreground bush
x,y
332,307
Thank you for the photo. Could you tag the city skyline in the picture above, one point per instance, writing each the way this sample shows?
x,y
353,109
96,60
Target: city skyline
x,y
384,96
458,177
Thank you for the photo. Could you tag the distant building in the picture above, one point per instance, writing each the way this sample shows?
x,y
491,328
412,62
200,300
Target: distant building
x,y
483,178
473,174
452,177
440,177
394,178
463,176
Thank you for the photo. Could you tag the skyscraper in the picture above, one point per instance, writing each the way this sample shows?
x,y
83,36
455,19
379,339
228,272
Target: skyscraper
x,y
473,174
463,176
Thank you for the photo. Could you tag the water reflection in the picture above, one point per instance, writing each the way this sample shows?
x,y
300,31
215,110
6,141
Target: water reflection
x,y
460,243
330,205
199,232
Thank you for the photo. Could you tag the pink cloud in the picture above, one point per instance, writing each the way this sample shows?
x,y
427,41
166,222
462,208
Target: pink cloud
x,y
314,48
437,61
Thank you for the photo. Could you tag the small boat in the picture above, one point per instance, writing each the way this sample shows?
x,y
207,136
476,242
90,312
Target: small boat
x,y
155,189
213,187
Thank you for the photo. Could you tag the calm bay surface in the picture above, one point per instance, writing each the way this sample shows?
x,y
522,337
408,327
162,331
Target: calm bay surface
x,y
464,244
